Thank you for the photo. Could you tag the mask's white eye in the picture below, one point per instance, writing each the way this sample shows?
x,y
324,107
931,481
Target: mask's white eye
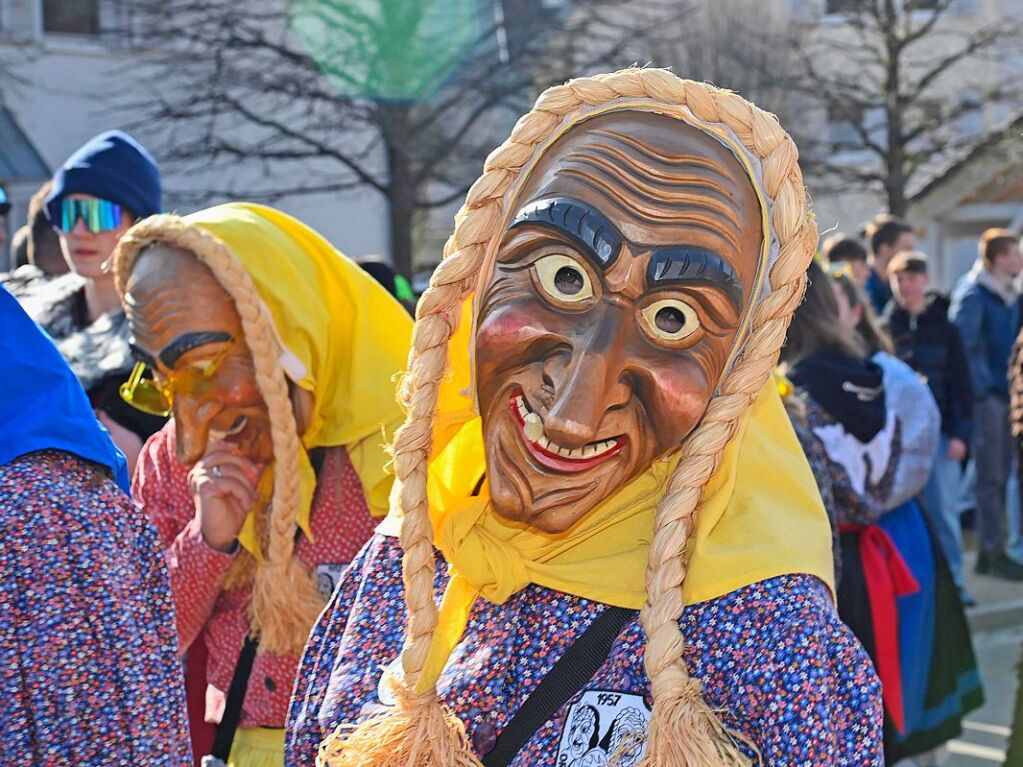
x,y
563,278
671,319
204,368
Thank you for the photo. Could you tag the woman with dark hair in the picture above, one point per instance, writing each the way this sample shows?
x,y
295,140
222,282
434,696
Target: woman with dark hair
x,y
1014,754
855,312
878,424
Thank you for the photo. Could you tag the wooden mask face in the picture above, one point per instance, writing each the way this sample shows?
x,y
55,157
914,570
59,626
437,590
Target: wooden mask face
x,y
618,290
186,327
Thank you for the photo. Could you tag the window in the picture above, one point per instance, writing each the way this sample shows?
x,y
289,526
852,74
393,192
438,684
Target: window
x,y
842,122
842,6
71,17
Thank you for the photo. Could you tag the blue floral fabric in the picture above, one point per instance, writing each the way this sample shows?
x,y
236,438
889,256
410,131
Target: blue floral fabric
x,y
89,673
773,657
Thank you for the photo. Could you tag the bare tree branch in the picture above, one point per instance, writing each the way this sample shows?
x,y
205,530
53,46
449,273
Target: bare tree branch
x,y
896,82
297,92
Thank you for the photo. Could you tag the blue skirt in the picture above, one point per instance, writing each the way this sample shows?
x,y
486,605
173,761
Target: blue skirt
x,y
940,679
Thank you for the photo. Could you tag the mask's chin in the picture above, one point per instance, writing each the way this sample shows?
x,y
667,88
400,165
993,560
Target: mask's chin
x,y
536,481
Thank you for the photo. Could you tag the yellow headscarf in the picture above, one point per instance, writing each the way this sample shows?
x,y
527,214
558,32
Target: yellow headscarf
x,y
761,515
315,318
342,336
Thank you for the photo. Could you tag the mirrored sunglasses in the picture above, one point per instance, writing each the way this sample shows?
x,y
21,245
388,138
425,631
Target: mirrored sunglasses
x,y
98,215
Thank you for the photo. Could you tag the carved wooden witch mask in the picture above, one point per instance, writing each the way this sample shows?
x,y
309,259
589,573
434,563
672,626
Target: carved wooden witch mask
x,y
616,296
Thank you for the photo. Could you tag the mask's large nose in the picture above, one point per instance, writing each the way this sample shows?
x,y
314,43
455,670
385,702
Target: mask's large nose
x,y
588,382
192,419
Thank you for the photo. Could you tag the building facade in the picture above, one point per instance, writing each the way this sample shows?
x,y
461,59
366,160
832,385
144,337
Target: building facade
x,y
68,71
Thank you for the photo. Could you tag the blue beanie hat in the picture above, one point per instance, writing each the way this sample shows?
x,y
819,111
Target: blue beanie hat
x,y
112,166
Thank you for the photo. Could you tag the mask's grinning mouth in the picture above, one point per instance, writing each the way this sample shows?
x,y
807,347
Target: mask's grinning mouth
x,y
554,456
237,428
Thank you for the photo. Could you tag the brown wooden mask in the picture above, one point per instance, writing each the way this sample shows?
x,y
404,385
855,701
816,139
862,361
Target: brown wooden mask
x,y
186,327
618,289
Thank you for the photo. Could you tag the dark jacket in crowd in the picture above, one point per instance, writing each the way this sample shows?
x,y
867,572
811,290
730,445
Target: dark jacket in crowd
x,y
988,320
931,345
878,291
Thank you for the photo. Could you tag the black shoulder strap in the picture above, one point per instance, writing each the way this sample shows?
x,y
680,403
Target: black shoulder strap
x,y
317,457
574,669
224,738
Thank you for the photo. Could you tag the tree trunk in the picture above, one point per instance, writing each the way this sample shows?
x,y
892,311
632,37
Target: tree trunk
x,y
895,161
401,190
402,208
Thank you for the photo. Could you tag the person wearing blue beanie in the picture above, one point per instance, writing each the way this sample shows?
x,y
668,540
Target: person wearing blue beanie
x,y
98,193
112,166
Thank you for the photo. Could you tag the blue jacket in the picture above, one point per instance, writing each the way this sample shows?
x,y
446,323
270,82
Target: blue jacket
x,y
988,326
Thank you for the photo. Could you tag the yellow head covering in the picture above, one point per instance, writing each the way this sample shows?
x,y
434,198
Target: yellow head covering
x,y
343,338
335,332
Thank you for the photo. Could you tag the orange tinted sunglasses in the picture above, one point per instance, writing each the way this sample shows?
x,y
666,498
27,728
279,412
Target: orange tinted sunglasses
x,y
155,395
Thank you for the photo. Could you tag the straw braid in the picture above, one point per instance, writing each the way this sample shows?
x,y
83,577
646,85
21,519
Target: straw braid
x,y
683,732
285,602
1016,387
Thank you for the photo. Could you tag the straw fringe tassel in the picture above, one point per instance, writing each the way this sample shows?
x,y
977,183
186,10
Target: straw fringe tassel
x,y
685,732
283,625
419,732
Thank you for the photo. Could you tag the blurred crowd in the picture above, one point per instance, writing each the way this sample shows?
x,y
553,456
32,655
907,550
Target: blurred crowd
x,y
962,346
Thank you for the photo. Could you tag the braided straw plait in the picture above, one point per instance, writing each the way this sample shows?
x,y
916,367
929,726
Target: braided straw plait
x,y
1016,387
684,732
285,602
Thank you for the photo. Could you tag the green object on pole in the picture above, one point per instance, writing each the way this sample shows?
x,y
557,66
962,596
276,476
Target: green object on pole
x,y
403,289
388,50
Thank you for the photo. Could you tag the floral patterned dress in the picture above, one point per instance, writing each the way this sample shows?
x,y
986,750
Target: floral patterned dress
x,y
341,523
89,673
773,657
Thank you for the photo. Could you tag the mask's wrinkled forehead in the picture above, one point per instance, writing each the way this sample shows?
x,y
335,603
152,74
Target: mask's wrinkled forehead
x,y
649,187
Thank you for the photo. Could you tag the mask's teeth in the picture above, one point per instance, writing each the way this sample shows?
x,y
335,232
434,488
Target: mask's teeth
x,y
579,453
520,402
216,435
533,427
534,431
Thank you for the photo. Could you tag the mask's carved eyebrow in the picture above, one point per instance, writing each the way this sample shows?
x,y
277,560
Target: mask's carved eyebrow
x,y
586,226
688,264
184,343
